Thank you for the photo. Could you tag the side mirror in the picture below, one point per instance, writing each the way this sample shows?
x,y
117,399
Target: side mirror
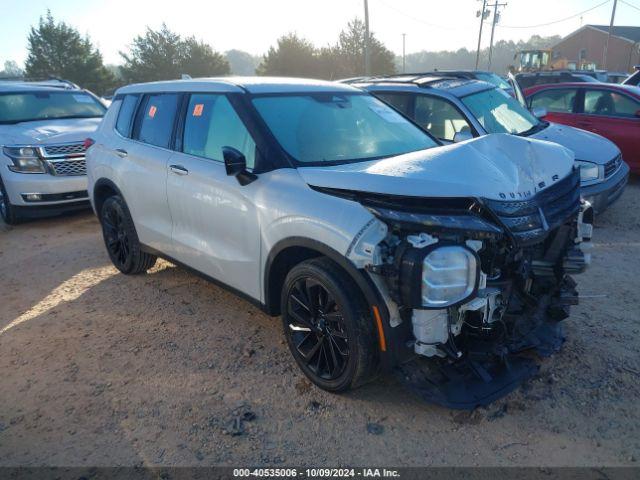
x,y
462,136
539,112
236,166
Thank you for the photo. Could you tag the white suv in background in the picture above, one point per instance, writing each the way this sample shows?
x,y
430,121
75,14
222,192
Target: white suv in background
x,y
42,134
378,246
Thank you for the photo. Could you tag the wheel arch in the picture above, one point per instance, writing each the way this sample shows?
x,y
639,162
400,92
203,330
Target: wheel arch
x,y
288,252
103,189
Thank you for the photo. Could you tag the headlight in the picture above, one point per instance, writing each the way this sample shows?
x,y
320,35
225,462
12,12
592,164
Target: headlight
x,y
588,171
449,275
25,160
438,276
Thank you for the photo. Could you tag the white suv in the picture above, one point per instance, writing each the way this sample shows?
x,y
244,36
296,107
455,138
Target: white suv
x,y
380,248
42,133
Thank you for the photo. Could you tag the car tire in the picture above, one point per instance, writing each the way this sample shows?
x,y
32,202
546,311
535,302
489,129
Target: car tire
x,y
7,209
121,238
327,326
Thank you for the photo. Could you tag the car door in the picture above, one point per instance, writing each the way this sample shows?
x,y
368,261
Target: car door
x,y
614,115
142,163
560,103
215,221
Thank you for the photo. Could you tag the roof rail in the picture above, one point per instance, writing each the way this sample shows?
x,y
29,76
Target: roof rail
x,y
44,81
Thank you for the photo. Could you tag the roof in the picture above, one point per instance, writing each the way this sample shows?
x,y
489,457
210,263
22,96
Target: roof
x,y
628,32
635,91
9,86
239,85
455,86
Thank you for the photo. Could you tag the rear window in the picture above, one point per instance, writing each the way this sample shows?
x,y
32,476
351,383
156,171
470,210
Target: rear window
x,y
46,105
125,115
156,119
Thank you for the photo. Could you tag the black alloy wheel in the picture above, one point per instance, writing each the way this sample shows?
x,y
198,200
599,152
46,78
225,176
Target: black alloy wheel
x,y
317,329
115,234
327,325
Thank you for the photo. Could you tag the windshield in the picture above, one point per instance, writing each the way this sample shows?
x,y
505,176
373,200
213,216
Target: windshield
x,y
494,79
47,105
319,128
499,112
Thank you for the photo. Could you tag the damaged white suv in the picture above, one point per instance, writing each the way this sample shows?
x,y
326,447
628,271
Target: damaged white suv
x,y
380,248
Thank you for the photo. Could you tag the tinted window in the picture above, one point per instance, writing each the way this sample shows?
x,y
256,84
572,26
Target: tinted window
x,y
125,115
603,102
327,127
156,122
398,101
439,117
555,100
211,124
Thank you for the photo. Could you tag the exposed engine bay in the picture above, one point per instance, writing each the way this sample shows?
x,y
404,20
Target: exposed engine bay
x,y
478,282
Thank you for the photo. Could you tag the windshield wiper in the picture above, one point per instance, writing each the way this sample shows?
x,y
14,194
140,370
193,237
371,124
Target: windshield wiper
x,y
536,128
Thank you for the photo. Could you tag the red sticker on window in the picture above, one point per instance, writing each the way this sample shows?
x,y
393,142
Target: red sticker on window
x,y
197,109
152,111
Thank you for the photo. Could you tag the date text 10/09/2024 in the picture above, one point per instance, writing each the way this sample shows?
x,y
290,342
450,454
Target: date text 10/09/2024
x,y
316,472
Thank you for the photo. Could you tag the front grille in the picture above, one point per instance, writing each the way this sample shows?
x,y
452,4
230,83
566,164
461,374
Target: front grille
x,y
531,220
612,165
64,150
69,167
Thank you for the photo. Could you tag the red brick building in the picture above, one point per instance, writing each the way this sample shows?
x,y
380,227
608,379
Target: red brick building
x,y
584,48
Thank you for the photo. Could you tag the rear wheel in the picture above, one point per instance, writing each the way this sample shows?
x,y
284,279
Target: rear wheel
x,y
121,239
326,325
7,210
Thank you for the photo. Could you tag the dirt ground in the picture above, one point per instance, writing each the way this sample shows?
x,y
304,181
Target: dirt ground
x,y
101,369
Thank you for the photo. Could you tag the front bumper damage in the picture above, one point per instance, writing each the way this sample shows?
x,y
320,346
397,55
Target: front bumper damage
x,y
470,352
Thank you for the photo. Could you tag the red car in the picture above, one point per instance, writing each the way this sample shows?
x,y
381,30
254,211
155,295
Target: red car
x,y
607,109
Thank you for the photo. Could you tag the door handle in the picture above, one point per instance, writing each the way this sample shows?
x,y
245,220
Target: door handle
x,y
178,169
120,152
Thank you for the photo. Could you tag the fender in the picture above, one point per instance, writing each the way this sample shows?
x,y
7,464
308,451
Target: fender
x,y
103,182
394,338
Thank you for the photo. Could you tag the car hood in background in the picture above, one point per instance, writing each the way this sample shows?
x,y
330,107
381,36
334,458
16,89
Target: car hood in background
x,y
48,131
496,166
585,145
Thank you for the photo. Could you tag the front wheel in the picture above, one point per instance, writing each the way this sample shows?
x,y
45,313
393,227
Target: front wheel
x,y
327,327
7,210
121,239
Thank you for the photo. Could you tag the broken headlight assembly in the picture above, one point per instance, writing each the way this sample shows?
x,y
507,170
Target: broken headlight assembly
x,y
438,276
25,159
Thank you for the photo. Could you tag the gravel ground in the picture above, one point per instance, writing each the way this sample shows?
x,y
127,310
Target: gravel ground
x,y
103,369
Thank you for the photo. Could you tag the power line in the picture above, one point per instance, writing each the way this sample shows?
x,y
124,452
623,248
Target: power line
x,y
419,20
630,5
558,21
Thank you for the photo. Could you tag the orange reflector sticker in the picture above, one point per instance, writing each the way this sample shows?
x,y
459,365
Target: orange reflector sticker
x,y
197,109
152,111
378,318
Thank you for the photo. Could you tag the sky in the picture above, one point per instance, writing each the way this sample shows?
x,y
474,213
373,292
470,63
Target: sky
x,y
254,25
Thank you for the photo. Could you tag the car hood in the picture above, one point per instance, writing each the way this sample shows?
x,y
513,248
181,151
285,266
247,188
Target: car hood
x,y
585,145
498,167
48,131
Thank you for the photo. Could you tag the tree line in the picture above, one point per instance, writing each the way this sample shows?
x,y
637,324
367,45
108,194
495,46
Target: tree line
x,y
56,49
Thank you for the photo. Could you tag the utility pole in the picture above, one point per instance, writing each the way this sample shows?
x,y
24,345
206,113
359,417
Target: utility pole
x,y
493,28
606,45
404,37
367,52
482,15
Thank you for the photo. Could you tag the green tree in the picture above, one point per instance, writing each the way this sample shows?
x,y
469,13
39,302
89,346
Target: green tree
x,y
164,55
242,63
11,70
293,57
58,50
348,53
